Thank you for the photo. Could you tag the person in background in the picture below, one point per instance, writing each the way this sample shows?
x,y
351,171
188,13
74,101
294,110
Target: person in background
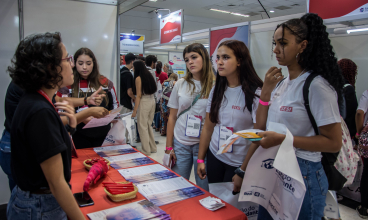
x,y
161,75
303,46
349,72
121,61
361,119
168,69
87,80
141,58
165,110
188,101
232,106
151,64
126,83
41,145
144,88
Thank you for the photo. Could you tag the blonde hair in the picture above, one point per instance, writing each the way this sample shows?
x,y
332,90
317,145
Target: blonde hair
x,y
207,75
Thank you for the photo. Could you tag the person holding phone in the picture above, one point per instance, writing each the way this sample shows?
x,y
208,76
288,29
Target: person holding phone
x,y
41,145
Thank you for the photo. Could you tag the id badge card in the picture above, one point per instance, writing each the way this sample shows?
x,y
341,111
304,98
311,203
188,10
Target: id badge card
x,y
224,134
193,127
84,107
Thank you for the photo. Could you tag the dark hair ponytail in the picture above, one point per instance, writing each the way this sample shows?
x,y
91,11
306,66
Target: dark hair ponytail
x,y
318,56
159,67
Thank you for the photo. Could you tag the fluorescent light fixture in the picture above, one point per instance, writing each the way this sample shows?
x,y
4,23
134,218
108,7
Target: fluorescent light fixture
x,y
159,16
85,39
272,11
238,14
222,11
153,0
357,30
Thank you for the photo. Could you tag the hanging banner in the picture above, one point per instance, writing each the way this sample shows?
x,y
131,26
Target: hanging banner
x,y
327,9
218,36
131,43
171,27
176,60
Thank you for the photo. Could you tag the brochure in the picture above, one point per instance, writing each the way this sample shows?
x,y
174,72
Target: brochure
x,y
147,174
109,151
97,122
129,160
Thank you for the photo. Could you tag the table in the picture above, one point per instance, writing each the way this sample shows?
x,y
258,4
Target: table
x,y
187,209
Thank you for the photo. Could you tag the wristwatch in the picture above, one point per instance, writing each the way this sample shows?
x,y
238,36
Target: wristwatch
x,y
239,172
70,129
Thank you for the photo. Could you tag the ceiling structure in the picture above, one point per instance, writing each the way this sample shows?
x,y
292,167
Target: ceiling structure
x,y
247,7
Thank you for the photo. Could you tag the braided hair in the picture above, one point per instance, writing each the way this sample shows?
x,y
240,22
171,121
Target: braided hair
x,y
349,70
318,56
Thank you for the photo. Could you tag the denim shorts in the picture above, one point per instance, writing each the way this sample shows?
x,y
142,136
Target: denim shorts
x,y
24,205
314,202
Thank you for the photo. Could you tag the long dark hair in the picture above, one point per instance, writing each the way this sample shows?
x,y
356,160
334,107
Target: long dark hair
x,y
247,75
148,82
348,70
36,62
318,56
207,72
159,67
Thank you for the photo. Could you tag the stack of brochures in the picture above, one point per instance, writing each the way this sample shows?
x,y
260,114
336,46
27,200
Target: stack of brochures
x,y
140,210
129,160
146,174
109,151
212,203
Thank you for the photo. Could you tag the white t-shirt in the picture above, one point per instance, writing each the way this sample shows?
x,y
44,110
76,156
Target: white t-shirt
x,y
363,105
287,107
233,113
181,98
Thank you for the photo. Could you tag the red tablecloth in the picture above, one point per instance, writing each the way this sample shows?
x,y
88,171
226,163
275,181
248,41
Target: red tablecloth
x,y
187,209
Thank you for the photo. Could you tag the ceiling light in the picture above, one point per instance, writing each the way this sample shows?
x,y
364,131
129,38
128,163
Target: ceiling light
x,y
272,11
105,36
238,14
159,16
222,11
357,30
153,0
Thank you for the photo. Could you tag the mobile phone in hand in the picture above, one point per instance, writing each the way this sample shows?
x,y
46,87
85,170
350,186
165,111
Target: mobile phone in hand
x,y
83,199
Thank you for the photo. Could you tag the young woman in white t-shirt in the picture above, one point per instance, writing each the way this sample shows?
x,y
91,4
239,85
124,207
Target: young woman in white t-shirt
x,y
237,84
302,45
187,103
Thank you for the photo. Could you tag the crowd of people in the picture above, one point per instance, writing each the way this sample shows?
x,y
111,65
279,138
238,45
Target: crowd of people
x,y
53,95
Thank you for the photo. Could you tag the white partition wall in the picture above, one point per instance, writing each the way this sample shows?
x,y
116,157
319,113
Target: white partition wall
x,y
81,24
9,40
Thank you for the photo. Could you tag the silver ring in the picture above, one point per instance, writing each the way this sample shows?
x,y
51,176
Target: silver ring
x,y
275,77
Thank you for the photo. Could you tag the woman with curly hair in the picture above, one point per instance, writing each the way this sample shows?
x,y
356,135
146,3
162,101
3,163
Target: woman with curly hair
x,y
349,72
303,46
87,80
41,145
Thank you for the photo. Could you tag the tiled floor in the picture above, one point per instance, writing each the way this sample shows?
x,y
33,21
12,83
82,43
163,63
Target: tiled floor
x,y
346,212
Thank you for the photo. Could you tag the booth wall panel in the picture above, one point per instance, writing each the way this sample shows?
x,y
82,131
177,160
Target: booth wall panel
x,y
9,36
81,24
139,21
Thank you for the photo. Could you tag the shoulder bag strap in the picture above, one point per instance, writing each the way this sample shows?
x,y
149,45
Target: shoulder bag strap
x,y
194,102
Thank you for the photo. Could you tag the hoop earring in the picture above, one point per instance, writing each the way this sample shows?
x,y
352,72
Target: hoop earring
x,y
297,56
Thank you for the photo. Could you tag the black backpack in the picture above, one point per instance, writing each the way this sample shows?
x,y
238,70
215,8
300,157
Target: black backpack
x,y
336,180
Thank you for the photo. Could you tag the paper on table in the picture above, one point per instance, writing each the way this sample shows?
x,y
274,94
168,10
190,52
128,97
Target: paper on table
x,y
114,147
273,178
147,189
125,157
97,122
230,141
224,191
141,170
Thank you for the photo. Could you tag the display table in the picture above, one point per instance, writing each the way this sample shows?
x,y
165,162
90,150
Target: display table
x,y
189,209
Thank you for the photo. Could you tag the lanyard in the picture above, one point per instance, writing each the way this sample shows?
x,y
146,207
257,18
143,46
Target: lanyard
x,y
232,112
46,97
79,88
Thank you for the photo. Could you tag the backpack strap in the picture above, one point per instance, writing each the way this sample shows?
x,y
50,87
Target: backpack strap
x,y
306,86
249,102
279,83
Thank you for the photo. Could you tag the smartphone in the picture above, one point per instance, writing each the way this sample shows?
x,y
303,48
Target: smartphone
x,y
83,199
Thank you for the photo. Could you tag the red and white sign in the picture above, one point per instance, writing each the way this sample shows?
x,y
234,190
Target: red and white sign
x,y
171,27
327,9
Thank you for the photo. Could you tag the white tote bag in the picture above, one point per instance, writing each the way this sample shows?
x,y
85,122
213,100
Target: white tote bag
x,y
273,178
159,91
116,135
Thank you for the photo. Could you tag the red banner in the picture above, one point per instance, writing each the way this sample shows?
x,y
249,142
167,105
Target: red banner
x,y
170,27
327,9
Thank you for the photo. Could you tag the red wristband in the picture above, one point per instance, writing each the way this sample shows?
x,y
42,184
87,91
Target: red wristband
x,y
169,148
264,103
200,161
357,134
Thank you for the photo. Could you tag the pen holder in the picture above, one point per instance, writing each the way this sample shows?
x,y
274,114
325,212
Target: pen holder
x,y
88,167
124,196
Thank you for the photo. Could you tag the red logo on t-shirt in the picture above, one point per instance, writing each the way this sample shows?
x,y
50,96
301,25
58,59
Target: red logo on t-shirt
x,y
286,109
236,107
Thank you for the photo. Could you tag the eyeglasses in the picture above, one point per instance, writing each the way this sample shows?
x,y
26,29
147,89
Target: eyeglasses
x,y
70,58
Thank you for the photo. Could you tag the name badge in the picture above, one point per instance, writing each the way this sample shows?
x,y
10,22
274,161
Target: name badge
x,y
224,134
84,107
193,127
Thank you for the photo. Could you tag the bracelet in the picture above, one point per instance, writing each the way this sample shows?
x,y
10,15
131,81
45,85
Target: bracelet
x,y
169,148
85,101
200,161
357,134
264,103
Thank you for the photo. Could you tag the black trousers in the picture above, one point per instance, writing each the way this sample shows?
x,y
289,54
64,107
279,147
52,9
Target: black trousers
x,y
81,141
218,171
364,184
